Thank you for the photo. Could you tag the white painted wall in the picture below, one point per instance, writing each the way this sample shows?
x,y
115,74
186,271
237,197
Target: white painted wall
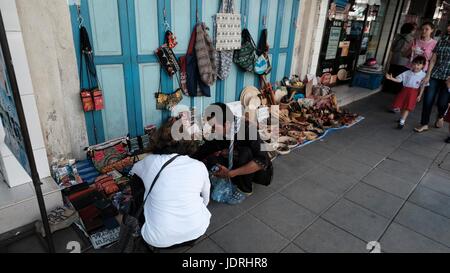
x,y
47,34
305,37
16,174
319,29
309,34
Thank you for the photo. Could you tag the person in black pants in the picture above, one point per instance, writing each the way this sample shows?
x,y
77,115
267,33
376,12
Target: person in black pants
x,y
250,163
438,73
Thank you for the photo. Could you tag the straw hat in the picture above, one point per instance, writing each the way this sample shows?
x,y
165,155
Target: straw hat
x,y
248,93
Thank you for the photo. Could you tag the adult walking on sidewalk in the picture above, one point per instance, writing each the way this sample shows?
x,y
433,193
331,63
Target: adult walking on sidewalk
x,y
398,58
438,72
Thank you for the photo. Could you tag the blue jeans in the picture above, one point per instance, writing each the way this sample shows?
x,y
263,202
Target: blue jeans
x,y
437,89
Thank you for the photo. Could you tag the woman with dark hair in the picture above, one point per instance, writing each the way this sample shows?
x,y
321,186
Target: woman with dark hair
x,y
424,45
399,61
176,210
437,75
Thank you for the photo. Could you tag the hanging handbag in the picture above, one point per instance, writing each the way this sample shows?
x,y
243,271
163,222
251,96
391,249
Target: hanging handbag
x,y
224,57
165,55
228,27
87,99
167,101
130,229
193,85
206,55
262,63
92,96
167,59
245,57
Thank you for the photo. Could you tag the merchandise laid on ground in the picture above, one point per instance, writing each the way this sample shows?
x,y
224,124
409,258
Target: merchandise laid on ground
x,y
289,114
97,190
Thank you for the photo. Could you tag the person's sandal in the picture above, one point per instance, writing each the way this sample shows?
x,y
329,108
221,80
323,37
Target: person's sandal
x,y
439,123
421,129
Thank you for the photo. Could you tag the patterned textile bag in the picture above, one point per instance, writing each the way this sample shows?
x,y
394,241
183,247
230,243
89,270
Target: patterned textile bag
x,y
106,154
245,57
228,27
262,64
206,55
227,38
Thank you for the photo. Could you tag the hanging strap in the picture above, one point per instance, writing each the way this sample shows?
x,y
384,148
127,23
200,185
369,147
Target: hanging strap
x,y
227,6
248,37
141,208
263,47
86,54
192,41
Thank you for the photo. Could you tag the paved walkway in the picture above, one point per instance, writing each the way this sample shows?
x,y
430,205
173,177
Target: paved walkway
x,y
371,182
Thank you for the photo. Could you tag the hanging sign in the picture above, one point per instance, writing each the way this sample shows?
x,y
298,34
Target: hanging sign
x,y
333,43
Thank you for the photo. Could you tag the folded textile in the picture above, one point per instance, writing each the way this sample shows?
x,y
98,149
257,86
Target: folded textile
x,y
91,217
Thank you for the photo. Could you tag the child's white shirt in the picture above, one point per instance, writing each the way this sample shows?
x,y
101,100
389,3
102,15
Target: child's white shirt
x,y
411,79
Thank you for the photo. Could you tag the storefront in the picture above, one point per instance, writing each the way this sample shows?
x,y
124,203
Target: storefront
x,y
352,35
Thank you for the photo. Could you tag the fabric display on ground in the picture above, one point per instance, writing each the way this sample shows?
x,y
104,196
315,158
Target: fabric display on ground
x,y
95,191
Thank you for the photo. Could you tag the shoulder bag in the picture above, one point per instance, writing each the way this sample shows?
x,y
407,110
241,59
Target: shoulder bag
x,y
262,63
245,57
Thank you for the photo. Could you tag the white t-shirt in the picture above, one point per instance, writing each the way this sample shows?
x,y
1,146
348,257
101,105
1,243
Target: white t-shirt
x,y
176,210
411,79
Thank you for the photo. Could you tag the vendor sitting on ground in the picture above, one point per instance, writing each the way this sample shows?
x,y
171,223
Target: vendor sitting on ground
x,y
250,163
176,210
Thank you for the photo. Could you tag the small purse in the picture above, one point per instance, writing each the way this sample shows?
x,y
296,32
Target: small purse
x,y
262,63
167,101
97,95
91,97
166,57
87,100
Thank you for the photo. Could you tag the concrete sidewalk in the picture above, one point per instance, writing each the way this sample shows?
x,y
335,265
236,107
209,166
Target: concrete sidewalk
x,y
371,182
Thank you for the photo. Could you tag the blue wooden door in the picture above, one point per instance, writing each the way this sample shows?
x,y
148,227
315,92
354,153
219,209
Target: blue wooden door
x,y
125,34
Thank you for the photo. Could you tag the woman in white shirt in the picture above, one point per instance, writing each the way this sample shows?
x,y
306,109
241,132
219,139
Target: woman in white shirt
x,y
176,209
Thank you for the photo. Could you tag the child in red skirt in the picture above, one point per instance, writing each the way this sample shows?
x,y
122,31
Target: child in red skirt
x,y
447,115
412,90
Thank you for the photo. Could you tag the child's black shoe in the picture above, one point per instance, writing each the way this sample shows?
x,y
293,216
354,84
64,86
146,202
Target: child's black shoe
x,y
400,126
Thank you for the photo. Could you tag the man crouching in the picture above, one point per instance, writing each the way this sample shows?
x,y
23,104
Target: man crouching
x,y
235,154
